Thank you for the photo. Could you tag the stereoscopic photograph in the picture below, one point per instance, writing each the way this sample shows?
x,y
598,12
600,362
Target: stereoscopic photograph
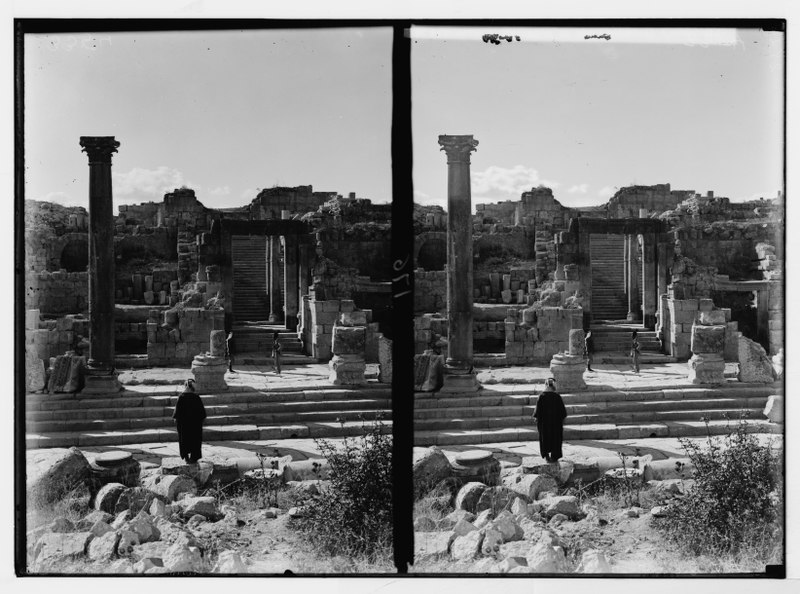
x,y
207,300
599,306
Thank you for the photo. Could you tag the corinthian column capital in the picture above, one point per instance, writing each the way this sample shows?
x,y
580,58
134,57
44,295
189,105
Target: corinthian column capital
x,y
458,148
99,148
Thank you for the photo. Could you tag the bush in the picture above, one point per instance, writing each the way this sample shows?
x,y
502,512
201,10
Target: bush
x,y
352,516
736,500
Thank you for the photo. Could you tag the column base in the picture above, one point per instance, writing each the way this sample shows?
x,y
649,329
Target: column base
x,y
101,384
457,380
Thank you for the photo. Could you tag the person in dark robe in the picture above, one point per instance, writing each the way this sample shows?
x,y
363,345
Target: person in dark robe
x,y
189,416
276,352
550,414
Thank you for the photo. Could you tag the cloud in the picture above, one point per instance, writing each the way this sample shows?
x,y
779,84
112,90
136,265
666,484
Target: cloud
x,y
606,192
503,183
220,191
579,189
152,183
249,193
60,198
421,197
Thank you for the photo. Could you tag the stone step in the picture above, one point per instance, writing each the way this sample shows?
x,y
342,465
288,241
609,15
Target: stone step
x,y
246,418
166,409
587,419
322,429
599,431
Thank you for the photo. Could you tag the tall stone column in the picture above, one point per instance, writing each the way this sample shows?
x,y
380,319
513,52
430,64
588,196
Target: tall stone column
x,y
459,376
634,273
100,376
274,279
290,273
304,274
649,298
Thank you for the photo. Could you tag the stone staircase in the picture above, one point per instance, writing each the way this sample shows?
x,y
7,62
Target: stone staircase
x,y
250,300
256,337
607,255
493,416
242,413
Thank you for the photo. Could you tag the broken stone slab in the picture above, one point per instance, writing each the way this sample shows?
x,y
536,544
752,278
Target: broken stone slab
x,y
755,365
134,500
181,558
54,546
200,472
543,557
468,497
593,561
142,524
35,373
169,486
496,499
92,518
429,546
229,562
204,506
106,499
507,526
384,360
774,410
712,318
560,471
562,504
349,340
347,370
104,547
529,486
65,473
429,469
467,547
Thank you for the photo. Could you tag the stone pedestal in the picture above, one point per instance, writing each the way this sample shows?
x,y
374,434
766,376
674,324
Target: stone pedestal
x,y
568,371
349,343
101,384
477,466
347,370
707,368
209,373
459,380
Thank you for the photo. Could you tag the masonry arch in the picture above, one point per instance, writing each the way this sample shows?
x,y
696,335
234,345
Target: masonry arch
x,y
430,250
75,255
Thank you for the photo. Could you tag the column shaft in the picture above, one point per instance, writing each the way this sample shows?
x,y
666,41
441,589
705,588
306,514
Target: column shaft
x,y
290,274
274,279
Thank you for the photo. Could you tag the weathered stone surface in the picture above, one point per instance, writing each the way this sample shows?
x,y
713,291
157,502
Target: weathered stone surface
x,y
217,343
774,410
707,369
143,565
496,498
506,525
99,528
459,514
568,372
463,527
158,508
576,344
431,545
564,504
179,557
593,561
777,364
230,562
531,530
104,547
712,318
66,472
204,506
468,496
127,541
483,518
353,319
169,486
61,524
519,508
54,546
121,518
347,370
35,373
107,497
144,527
349,340
492,539
561,471
92,518
529,486
209,373
708,339
467,547
384,360
755,365
201,472
543,557
430,468
510,563
135,500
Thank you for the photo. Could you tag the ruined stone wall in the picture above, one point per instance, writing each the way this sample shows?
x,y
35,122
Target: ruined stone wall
x,y
146,243
491,287
430,291
676,327
318,320
369,250
499,212
501,241
57,292
628,201
51,338
145,214
269,202
174,337
133,288
534,336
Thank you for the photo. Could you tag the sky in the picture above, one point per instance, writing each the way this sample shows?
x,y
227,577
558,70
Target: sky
x,y
224,112
699,109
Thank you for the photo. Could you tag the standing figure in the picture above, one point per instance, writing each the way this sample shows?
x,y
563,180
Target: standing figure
x,y
588,350
635,348
229,350
276,352
189,416
549,415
